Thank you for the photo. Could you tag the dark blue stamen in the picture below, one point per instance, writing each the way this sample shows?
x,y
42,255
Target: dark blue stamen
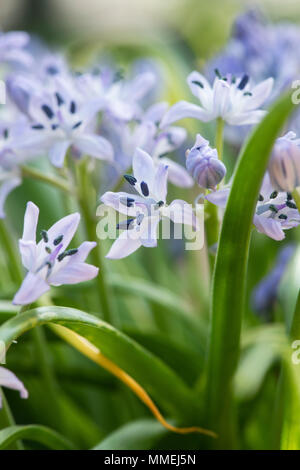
x,y
73,107
44,236
125,224
48,111
144,188
217,72
54,127
160,203
52,70
273,208
196,82
243,82
274,195
58,240
247,93
70,252
48,249
127,201
5,133
260,198
282,216
77,125
291,205
131,179
59,99
37,127
289,196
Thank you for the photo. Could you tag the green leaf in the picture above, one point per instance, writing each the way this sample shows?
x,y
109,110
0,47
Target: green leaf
x,y
160,382
41,434
231,264
138,435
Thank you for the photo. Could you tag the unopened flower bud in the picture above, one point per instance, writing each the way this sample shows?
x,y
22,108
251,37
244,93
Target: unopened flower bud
x,y
203,164
284,165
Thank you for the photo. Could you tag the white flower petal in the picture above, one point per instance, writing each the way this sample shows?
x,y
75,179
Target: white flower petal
x,y
182,110
94,145
57,153
31,289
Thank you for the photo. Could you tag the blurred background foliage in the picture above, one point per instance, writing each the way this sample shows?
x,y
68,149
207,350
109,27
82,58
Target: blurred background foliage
x,y
180,35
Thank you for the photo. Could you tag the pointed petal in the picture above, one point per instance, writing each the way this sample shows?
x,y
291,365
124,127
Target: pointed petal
x,y
6,188
9,380
260,94
28,250
67,227
141,85
200,88
57,153
95,146
30,222
269,227
31,289
143,168
160,186
73,273
219,198
182,110
177,174
245,118
156,112
83,252
123,246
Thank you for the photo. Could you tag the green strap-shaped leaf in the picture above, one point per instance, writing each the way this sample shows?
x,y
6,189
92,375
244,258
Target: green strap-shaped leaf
x,y
41,434
138,435
160,382
231,263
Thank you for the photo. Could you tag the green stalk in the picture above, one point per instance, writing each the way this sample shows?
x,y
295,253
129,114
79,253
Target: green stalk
x,y
229,281
33,173
7,419
212,224
11,253
87,204
296,197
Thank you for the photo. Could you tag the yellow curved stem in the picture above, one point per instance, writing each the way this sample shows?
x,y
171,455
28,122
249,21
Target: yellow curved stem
x,y
93,353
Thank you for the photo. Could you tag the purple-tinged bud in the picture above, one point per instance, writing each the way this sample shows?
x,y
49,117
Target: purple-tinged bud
x,y
203,164
284,165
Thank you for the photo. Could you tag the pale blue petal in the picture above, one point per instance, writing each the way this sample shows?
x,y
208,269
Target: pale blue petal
x,y
73,273
30,222
95,146
31,289
57,153
182,110
5,189
269,227
9,380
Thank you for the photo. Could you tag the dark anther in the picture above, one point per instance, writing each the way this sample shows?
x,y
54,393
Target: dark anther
x,y
291,205
131,179
48,111
54,127
59,99
274,195
58,240
48,249
247,93
73,107
217,72
289,196
125,224
260,198
5,133
160,203
37,127
71,252
196,82
243,82
52,70
77,125
44,236
273,208
127,201
144,188
282,216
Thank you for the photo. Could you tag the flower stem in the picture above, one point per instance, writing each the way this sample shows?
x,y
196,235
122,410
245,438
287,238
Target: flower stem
x,y
86,202
296,197
7,419
11,252
219,137
60,183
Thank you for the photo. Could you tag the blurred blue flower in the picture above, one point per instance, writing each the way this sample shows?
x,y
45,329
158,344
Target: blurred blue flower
x,y
264,294
284,164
